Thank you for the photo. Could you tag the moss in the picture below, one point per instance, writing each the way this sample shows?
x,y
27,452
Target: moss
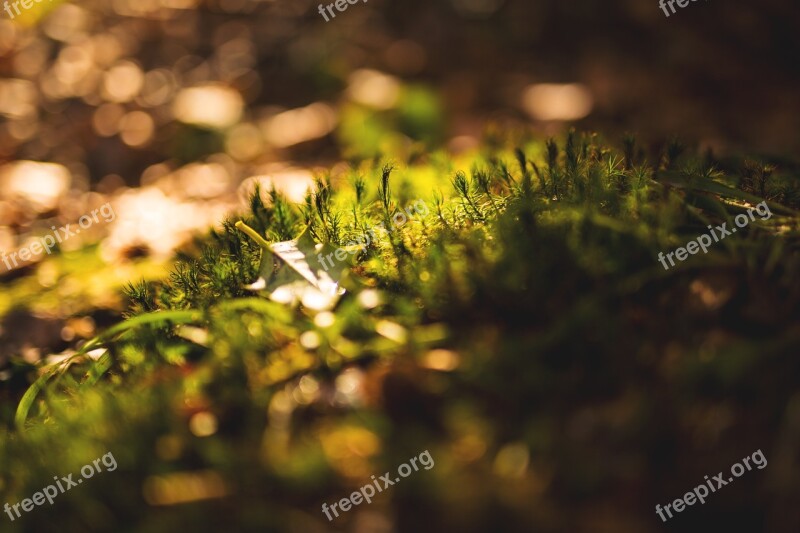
x,y
522,330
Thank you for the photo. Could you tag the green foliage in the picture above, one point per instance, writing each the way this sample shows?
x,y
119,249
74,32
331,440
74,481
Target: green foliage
x,y
525,310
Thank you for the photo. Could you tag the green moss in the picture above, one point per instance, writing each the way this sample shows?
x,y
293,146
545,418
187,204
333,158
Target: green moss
x,y
524,320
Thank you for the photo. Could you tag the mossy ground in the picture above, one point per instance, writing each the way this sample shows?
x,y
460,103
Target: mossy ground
x,y
523,332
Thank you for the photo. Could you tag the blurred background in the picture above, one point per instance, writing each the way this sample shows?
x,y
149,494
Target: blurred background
x,y
121,93
189,99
